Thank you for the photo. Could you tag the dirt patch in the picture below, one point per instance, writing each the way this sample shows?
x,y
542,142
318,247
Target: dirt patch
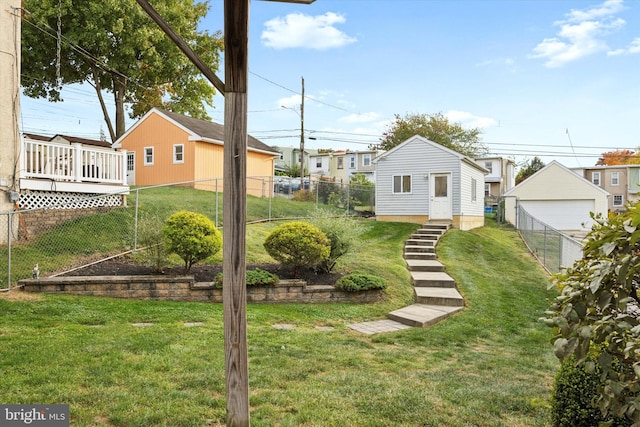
x,y
18,295
201,273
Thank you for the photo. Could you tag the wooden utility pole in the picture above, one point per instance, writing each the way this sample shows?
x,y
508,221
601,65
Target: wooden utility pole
x,y
302,138
236,47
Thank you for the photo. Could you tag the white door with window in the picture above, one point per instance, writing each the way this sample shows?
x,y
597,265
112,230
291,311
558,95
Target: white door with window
x,y
440,190
131,168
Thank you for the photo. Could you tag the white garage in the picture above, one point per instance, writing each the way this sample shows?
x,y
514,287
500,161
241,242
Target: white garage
x,y
558,197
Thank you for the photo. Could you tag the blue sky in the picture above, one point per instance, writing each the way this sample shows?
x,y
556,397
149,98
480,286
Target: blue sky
x,y
555,78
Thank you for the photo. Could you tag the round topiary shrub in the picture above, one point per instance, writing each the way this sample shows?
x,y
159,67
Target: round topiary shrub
x,y
573,395
355,282
192,236
298,244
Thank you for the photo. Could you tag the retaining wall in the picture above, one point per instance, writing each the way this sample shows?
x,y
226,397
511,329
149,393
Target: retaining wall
x,y
184,288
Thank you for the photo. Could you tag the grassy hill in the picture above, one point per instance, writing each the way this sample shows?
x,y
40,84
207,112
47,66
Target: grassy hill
x,y
489,365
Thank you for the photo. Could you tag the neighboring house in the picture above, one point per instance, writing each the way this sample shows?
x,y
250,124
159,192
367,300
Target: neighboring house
x,y
165,147
420,181
558,197
71,172
290,156
341,165
621,181
500,179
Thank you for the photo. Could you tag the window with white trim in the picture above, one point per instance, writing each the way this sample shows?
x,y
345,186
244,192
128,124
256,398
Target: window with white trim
x,y
474,190
340,162
178,153
618,200
366,160
148,156
318,162
595,178
401,184
352,162
489,166
487,190
615,178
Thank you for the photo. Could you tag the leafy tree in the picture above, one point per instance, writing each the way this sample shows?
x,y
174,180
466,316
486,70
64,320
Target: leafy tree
x,y
192,236
436,128
298,244
529,168
115,47
597,309
619,157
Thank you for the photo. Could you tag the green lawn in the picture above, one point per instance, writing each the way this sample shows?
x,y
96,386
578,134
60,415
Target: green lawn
x,y
489,365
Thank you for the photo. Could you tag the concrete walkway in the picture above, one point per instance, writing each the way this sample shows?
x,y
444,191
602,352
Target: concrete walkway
x,y
435,291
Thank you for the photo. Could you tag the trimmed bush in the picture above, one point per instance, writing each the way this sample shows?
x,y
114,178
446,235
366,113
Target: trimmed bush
x,y
192,236
573,396
355,282
255,277
298,244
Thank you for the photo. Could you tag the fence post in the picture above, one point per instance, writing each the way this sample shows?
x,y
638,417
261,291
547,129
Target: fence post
x,y
9,226
217,225
135,222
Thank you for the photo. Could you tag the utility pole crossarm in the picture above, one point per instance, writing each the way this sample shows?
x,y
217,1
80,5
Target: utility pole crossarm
x,y
184,47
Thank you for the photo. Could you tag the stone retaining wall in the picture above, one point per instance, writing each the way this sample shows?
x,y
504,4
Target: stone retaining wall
x,y
184,288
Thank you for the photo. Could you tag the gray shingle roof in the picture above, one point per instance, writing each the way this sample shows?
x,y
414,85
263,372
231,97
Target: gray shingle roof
x,y
206,129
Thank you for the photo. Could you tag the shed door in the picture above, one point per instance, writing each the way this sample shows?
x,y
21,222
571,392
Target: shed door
x,y
131,168
440,187
561,214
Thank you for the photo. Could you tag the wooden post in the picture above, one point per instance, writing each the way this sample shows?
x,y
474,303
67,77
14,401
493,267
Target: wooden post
x,y
236,47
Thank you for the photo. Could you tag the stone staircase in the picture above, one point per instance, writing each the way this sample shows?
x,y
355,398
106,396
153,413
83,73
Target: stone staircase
x,y
435,291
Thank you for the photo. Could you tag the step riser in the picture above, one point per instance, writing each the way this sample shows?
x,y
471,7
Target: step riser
x,y
415,323
450,302
426,268
433,284
430,237
421,255
420,249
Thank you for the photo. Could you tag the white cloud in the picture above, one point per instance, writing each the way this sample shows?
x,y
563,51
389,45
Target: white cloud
x,y
581,34
634,48
360,118
300,30
292,101
469,120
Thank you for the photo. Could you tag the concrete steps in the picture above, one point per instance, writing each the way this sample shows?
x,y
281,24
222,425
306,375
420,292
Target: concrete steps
x,y
435,291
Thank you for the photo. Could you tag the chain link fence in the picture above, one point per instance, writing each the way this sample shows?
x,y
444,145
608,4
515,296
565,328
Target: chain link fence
x,y
59,237
555,250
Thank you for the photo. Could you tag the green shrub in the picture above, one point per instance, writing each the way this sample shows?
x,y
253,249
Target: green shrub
x,y
355,282
255,277
343,233
192,236
573,397
151,239
298,244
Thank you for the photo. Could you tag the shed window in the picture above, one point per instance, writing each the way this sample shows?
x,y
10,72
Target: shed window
x,y
178,153
474,190
148,156
402,184
615,178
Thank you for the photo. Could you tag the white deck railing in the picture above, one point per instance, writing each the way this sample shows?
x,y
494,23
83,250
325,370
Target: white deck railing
x,y
75,162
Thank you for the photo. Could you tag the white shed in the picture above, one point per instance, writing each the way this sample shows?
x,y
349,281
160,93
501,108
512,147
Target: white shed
x,y
420,181
558,197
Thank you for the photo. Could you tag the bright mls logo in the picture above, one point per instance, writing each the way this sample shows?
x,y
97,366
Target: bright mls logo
x,y
34,415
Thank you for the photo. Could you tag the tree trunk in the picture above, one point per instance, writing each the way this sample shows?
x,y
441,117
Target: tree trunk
x,y
119,86
98,87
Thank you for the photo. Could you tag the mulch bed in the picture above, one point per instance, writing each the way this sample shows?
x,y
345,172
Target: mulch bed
x,y
201,273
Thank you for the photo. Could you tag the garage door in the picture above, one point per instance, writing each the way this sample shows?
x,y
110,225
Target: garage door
x,y
561,214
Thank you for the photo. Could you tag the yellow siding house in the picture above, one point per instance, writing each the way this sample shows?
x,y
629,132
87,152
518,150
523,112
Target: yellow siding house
x,y
165,147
